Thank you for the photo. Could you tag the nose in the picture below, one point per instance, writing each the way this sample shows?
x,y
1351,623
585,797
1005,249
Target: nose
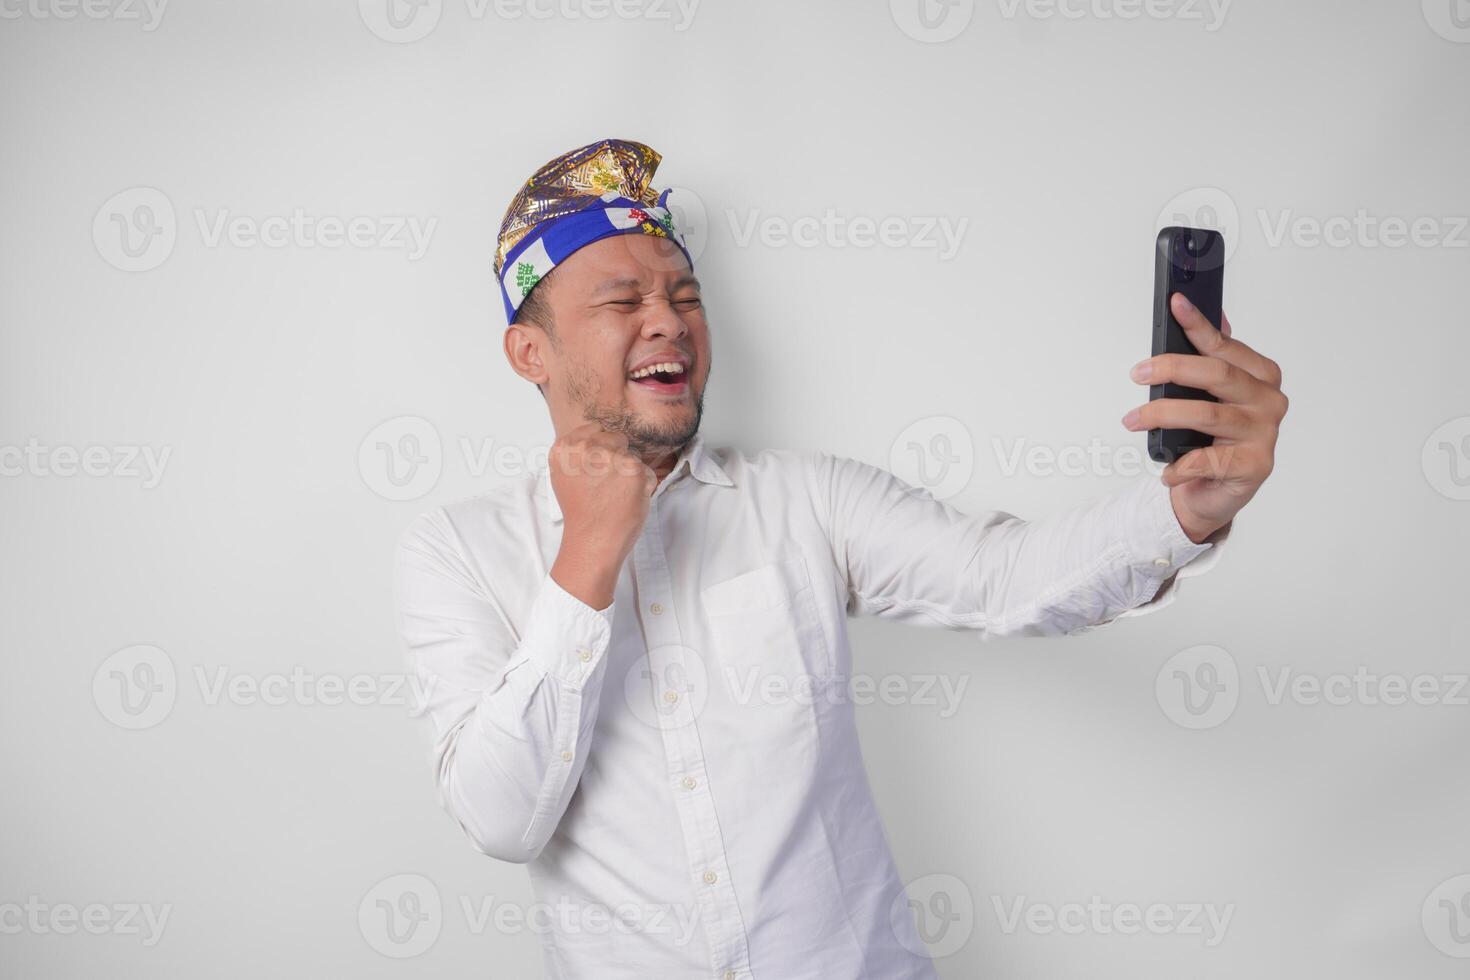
x,y
663,321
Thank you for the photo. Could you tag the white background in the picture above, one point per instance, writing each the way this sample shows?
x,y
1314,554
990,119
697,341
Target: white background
x,y
1062,138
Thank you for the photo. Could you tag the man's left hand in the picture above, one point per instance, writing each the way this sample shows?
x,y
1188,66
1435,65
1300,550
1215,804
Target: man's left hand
x,y
1209,486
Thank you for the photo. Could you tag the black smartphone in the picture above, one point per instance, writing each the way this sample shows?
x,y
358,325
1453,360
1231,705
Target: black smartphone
x,y
1189,261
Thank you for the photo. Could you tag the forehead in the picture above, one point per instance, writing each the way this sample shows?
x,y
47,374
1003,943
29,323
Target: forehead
x,y
646,261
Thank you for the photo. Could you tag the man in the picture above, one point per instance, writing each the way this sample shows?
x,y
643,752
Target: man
x,y
636,662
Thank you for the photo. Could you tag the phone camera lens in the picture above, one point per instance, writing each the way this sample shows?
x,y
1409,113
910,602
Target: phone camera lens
x,y
1185,262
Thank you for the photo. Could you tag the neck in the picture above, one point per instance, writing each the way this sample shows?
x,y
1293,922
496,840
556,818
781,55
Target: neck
x,y
661,461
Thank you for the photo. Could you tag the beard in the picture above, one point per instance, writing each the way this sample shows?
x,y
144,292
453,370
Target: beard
x,y
645,437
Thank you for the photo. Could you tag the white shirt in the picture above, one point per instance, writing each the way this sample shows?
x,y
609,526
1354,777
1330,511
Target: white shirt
x,y
681,770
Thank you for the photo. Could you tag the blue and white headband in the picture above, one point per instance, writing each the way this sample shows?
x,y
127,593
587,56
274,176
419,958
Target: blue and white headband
x,y
551,243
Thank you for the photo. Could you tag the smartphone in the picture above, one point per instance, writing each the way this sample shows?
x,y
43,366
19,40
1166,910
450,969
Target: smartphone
x,y
1189,261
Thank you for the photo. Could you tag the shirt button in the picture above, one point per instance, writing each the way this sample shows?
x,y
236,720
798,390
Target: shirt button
x,y
566,756
671,696
1161,563
688,782
710,877
584,655
657,609
729,975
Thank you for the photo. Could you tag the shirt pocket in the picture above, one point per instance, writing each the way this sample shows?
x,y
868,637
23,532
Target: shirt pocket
x,y
767,630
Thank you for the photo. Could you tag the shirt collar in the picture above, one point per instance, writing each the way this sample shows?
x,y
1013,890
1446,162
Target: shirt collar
x,y
696,459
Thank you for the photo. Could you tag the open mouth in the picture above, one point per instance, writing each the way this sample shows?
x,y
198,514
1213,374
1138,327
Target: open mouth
x,y
668,378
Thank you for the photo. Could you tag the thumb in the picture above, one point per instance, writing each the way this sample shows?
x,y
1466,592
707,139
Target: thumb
x,y
1210,463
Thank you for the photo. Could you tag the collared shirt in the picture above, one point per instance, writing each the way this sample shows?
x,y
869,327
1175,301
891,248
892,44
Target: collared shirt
x,y
681,770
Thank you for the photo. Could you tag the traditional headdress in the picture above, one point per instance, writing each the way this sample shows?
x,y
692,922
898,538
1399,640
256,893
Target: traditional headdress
x,y
578,198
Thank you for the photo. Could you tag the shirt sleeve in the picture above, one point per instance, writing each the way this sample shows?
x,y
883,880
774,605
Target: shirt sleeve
x,y
909,557
511,715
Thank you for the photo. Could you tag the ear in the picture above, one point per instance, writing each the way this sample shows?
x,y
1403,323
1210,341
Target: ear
x,y
523,348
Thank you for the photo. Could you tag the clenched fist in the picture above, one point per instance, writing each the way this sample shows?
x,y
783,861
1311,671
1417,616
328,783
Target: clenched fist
x,y
604,492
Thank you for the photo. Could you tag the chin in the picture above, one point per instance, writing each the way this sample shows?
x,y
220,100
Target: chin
x,y
668,429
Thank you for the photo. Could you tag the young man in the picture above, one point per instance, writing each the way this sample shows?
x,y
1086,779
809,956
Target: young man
x,y
637,662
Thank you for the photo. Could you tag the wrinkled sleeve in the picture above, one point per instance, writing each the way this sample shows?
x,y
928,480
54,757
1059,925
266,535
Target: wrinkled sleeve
x,y
511,713
909,557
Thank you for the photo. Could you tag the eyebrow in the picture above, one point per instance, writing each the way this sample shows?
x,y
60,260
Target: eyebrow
x,y
611,285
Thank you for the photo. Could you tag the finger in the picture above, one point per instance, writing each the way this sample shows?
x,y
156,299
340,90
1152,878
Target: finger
x,y
586,435
575,442
1212,418
1211,463
1225,325
1220,378
615,439
591,459
583,430
630,465
1227,464
594,430
1214,343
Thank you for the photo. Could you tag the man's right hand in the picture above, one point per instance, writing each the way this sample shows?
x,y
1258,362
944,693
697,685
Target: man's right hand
x,y
604,493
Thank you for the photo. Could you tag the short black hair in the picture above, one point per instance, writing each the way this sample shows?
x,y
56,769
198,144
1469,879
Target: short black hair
x,y
535,309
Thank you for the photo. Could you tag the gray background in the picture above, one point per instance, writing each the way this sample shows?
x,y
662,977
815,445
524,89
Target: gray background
x,y
275,376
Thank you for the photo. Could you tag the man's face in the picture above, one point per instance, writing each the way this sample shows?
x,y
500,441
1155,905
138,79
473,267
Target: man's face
x,y
621,307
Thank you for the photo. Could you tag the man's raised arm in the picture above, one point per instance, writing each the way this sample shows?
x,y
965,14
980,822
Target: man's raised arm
x,y
513,706
910,557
